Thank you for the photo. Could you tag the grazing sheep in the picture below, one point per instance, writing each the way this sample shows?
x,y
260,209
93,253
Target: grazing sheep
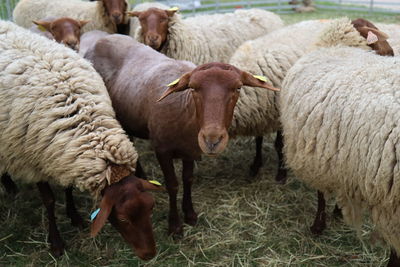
x,y
339,110
205,38
193,116
64,30
373,39
393,30
134,22
105,15
57,125
272,55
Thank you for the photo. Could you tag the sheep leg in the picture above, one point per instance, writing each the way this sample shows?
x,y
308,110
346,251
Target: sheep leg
x,y
9,185
257,162
171,182
187,205
319,224
72,213
282,171
139,171
337,212
56,243
394,260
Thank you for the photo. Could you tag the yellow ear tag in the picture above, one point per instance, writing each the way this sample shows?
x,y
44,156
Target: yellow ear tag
x,y
173,83
175,8
41,28
155,182
261,78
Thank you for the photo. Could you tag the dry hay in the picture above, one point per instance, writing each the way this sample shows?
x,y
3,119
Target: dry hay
x,y
240,223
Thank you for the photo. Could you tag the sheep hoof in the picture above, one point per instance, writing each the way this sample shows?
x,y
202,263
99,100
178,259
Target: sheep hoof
x,y
57,248
317,228
191,218
281,176
77,221
255,167
337,213
280,180
176,231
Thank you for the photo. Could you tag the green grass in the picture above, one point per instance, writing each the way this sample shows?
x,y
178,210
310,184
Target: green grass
x,y
241,223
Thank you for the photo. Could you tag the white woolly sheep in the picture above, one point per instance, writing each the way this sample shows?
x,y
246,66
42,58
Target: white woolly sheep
x,y
104,15
57,124
339,116
256,113
205,38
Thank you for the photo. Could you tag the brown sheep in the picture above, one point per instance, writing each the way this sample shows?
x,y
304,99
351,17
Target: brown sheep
x,y
64,30
190,118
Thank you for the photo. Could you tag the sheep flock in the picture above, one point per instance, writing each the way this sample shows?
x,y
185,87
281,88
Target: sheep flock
x,y
100,99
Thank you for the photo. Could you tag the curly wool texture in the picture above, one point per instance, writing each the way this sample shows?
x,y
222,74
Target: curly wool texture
x,y
56,119
339,116
209,38
393,30
134,21
272,55
28,10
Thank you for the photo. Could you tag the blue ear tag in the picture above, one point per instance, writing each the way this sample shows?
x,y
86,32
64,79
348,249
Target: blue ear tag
x,y
94,214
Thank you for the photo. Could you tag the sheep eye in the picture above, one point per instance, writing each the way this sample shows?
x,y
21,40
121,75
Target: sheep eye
x,y
122,220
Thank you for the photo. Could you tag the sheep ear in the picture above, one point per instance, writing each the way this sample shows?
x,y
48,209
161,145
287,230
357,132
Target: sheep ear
x,y
43,25
83,22
100,220
372,35
171,11
133,13
177,85
256,81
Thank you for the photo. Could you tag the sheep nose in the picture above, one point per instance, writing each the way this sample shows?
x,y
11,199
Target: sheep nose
x,y
117,18
72,44
212,143
153,38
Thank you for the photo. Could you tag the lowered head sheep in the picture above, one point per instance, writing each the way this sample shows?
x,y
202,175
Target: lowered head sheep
x,y
371,38
188,117
105,15
256,113
205,38
339,114
58,125
64,30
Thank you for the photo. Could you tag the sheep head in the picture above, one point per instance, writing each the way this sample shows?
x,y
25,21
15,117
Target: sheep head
x,y
128,206
376,39
115,10
154,23
215,90
64,30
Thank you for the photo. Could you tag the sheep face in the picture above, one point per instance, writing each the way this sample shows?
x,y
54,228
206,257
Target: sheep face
x,y
64,30
215,90
116,10
128,206
154,23
379,44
